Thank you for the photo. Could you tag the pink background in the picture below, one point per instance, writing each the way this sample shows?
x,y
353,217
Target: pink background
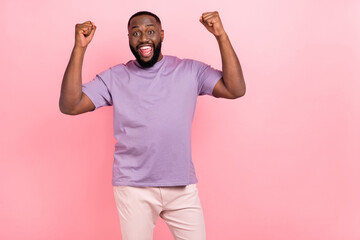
x,y
280,163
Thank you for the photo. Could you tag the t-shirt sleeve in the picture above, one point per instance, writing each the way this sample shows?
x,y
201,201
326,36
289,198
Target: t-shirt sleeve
x,y
207,78
98,90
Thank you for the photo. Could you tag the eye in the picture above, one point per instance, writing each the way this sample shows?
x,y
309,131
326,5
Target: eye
x,y
151,32
135,34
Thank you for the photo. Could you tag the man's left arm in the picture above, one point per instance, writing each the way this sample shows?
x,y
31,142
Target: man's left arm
x,y
232,84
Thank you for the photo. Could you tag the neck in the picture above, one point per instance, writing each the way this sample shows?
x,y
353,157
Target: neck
x,y
160,57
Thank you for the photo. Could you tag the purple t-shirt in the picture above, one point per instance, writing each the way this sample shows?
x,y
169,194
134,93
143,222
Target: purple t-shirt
x,y
153,111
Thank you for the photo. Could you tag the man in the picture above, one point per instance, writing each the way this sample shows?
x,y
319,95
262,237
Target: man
x,y
154,100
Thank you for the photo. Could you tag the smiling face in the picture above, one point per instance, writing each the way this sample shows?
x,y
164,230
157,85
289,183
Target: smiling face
x,y
145,37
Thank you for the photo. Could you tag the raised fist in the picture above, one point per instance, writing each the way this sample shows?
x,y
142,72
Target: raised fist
x,y
212,22
84,32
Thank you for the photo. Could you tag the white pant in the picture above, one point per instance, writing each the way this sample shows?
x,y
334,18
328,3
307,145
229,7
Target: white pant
x,y
179,207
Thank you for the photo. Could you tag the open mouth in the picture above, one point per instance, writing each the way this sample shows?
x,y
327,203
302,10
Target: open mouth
x,y
145,50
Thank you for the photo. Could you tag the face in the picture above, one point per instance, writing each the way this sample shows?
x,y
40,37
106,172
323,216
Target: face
x,y
145,37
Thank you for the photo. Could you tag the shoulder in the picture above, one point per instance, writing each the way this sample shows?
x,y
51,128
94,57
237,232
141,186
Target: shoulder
x,y
172,59
122,68
112,73
117,67
196,64
185,62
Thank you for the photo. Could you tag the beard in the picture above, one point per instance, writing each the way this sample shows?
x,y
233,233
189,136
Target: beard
x,y
152,61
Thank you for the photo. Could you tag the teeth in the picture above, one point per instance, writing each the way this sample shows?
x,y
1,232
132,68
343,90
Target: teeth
x,y
146,47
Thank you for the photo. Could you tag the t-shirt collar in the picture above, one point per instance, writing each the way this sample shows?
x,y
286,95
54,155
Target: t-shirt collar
x,y
156,66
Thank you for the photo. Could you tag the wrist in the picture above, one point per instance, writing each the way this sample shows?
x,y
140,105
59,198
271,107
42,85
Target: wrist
x,y
221,37
79,49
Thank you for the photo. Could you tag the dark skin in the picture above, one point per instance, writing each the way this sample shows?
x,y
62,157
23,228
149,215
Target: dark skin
x,y
145,31
232,84
72,100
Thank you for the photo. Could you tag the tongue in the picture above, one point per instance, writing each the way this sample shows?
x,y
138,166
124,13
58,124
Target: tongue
x,y
145,52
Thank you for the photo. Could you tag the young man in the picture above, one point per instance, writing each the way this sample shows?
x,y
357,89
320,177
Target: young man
x,y
154,100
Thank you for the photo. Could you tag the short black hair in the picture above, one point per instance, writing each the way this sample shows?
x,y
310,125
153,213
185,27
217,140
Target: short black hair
x,y
144,13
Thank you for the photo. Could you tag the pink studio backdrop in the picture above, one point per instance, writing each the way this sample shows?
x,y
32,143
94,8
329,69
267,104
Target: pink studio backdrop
x,y
280,163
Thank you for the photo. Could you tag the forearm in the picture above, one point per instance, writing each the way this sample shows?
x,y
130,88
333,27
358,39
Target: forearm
x,y
71,87
231,68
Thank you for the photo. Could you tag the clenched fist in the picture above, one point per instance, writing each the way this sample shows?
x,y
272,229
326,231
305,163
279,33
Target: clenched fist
x,y
212,22
84,32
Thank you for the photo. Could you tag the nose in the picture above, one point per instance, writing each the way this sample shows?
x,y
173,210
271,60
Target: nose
x,y
144,38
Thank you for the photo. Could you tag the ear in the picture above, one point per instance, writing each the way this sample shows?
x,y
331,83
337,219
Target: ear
x,y
162,35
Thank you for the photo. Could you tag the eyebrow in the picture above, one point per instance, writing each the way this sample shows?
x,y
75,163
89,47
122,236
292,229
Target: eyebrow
x,y
148,25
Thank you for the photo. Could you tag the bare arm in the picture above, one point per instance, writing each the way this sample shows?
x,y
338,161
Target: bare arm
x,y
232,84
72,100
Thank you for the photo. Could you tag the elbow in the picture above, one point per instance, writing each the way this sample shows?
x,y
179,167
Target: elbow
x,y
243,93
65,110
240,93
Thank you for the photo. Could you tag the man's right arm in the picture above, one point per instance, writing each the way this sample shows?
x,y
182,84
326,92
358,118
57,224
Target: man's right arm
x,y
72,100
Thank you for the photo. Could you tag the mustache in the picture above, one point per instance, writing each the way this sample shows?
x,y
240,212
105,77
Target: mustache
x,y
141,44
